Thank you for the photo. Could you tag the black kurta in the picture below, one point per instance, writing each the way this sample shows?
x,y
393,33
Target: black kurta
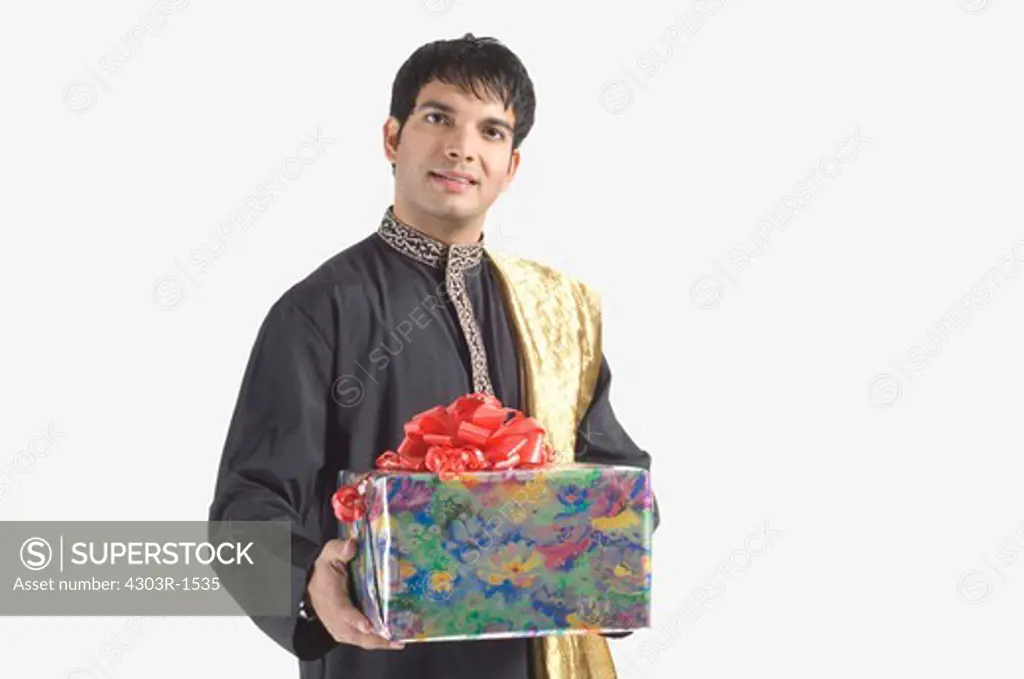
x,y
343,359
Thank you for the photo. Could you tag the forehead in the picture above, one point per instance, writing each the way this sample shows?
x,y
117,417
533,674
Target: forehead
x,y
464,103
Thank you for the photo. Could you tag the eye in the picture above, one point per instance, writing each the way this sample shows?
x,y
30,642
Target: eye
x,y
500,133
433,113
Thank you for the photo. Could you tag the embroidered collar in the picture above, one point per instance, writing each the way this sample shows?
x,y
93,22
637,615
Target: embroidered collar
x,y
427,249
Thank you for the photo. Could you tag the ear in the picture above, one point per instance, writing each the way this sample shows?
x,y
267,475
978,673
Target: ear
x,y
391,139
513,167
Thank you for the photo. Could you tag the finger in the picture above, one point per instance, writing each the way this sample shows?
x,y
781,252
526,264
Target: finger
x,y
373,641
343,553
349,549
340,550
352,616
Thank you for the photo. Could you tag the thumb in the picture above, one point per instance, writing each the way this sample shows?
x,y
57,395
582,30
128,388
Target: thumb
x,y
346,550
337,552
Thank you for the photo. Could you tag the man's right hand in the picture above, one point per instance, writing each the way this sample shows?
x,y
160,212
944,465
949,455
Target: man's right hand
x,y
328,593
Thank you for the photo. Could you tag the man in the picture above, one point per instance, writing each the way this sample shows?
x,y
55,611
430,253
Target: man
x,y
414,315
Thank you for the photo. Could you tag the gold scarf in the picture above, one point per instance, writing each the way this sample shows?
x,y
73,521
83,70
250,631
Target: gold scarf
x,y
558,325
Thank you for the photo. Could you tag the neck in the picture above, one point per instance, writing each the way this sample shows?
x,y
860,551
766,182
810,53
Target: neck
x,y
458,232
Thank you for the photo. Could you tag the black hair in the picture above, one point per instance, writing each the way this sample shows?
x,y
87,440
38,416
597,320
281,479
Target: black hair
x,y
481,66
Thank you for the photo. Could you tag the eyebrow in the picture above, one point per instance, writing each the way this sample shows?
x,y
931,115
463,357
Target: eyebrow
x,y
448,108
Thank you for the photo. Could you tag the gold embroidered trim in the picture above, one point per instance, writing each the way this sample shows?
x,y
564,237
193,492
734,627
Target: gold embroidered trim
x,y
456,260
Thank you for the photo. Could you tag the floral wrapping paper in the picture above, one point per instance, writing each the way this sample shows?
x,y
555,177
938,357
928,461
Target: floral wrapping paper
x,y
518,552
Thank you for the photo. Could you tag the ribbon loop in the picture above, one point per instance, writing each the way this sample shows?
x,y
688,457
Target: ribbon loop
x,y
474,432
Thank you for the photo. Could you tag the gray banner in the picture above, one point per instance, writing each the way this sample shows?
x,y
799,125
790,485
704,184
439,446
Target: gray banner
x,y
145,568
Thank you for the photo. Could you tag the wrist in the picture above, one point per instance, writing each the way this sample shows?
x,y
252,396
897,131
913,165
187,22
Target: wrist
x,y
306,610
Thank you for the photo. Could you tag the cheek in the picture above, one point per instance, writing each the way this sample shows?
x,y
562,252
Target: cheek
x,y
406,153
497,173
414,151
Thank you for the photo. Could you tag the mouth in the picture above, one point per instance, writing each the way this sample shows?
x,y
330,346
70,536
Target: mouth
x,y
464,181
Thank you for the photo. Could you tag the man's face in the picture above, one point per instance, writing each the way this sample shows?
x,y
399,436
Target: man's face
x,y
451,131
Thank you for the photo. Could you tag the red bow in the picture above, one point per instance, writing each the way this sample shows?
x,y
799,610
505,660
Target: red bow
x,y
473,433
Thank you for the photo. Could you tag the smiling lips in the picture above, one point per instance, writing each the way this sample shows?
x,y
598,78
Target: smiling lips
x,y
454,182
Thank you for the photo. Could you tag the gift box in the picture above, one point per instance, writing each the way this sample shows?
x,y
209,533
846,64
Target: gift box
x,y
470,530
514,552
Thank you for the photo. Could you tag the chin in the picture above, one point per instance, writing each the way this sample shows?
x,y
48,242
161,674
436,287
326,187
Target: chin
x,y
455,210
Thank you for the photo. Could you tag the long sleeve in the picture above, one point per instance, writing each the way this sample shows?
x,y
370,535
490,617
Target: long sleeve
x,y
601,439
274,460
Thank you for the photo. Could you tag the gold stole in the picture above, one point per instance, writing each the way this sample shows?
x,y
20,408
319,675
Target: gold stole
x,y
558,324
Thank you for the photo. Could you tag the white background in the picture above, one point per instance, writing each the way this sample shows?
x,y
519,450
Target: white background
x,y
782,393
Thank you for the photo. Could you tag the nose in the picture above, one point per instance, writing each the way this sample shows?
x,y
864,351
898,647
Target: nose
x,y
458,146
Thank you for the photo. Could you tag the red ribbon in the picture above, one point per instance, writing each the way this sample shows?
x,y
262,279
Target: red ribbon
x,y
348,503
472,433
